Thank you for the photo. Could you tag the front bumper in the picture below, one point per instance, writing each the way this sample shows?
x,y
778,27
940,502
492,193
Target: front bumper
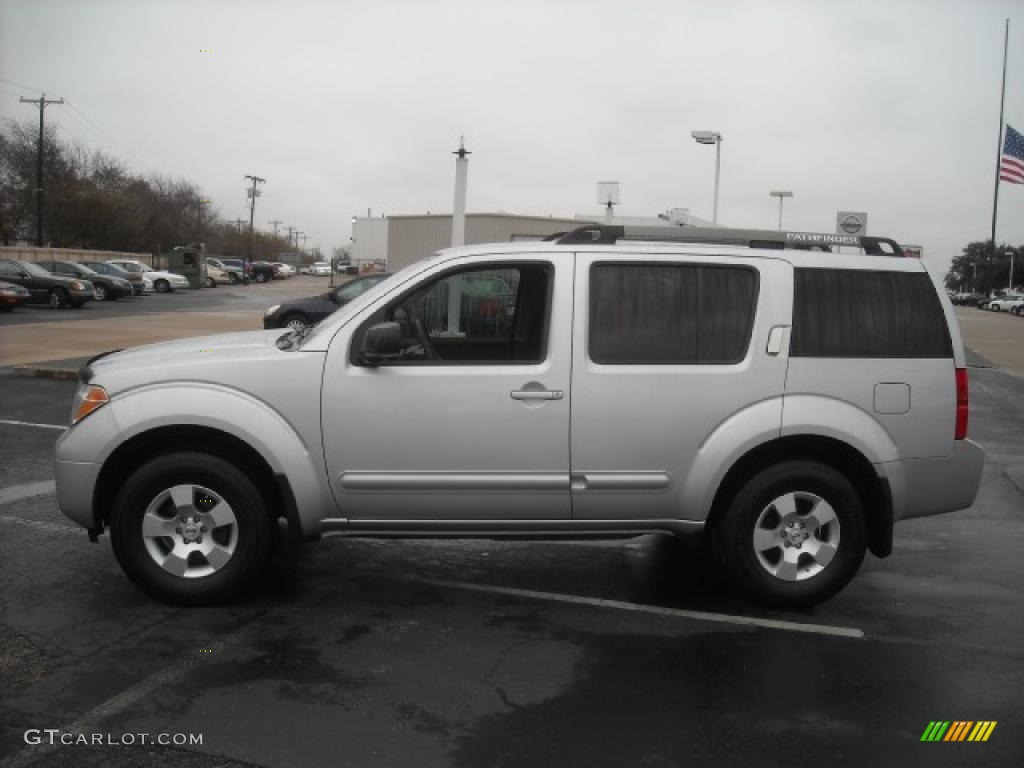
x,y
80,297
923,487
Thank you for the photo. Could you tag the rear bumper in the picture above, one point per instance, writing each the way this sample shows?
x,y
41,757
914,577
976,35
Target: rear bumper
x,y
923,487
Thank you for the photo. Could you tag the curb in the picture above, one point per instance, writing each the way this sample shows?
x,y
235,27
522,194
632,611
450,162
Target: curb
x,y
46,372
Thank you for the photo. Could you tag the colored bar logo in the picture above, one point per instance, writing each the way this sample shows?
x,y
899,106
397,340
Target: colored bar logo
x,y
959,730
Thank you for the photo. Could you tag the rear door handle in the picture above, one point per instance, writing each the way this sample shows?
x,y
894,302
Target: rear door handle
x,y
537,394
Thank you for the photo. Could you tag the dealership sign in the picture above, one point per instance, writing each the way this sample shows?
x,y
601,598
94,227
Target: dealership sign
x,y
851,223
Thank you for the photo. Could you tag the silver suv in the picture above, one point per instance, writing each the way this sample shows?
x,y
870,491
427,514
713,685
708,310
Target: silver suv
x,y
789,402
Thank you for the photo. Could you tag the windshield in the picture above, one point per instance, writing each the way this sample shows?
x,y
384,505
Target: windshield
x,y
35,269
131,267
85,269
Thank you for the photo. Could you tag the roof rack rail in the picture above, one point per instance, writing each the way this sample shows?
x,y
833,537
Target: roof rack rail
x,y
604,234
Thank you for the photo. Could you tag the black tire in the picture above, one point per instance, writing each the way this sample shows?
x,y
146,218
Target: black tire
x,y
296,321
211,283
233,278
994,307
161,286
254,528
59,298
735,532
261,277
101,292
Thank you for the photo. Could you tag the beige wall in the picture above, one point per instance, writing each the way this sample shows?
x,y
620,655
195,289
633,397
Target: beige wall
x,y
411,238
31,253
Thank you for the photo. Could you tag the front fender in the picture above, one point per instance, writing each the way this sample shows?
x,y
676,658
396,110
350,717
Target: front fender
x,y
255,422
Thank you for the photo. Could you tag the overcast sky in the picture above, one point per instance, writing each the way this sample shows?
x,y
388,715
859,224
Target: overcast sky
x,y
890,107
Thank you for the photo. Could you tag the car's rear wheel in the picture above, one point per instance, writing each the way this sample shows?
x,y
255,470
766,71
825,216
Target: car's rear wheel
x,y
161,286
296,322
190,528
211,283
261,277
794,535
233,278
100,291
59,298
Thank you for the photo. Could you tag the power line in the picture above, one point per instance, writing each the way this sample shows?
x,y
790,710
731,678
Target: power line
x,y
19,85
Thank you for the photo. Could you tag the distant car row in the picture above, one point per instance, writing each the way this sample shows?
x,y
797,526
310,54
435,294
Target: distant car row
x,y
1011,302
73,283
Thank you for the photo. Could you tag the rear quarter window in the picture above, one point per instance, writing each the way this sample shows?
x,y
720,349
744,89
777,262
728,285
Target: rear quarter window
x,y
860,313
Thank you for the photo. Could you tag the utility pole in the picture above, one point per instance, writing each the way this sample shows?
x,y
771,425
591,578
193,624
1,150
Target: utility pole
x,y
239,223
303,234
253,194
41,102
275,222
291,231
200,202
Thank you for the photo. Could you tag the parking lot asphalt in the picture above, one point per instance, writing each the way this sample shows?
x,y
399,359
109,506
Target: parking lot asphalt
x,y
479,653
36,333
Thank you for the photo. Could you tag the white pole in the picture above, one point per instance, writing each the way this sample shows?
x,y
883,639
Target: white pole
x,y
718,162
780,213
459,208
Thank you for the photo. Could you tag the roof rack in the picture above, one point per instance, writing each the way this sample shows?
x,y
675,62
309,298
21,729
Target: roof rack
x,y
750,238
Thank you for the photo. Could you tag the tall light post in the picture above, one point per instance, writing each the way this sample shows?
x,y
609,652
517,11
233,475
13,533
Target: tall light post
x,y
780,193
712,137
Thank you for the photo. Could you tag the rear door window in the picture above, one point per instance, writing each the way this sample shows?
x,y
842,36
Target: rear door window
x,y
682,314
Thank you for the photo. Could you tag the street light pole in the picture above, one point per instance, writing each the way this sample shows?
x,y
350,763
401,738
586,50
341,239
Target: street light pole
x,y
780,193
712,137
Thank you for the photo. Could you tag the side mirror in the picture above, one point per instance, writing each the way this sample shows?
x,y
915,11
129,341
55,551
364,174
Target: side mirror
x,y
381,342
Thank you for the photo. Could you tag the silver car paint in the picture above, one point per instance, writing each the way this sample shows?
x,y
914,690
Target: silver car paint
x,y
404,464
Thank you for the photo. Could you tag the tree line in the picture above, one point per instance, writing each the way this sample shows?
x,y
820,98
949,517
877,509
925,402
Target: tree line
x,y
977,270
92,200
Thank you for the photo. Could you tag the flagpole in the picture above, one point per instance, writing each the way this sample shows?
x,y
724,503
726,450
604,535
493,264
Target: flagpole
x,y
999,154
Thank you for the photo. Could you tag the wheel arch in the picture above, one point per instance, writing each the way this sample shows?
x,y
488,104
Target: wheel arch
x,y
874,491
143,447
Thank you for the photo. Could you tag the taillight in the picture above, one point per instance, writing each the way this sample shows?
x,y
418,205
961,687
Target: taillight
x,y
961,404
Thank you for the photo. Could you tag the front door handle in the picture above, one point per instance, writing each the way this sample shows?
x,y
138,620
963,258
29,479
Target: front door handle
x,y
537,394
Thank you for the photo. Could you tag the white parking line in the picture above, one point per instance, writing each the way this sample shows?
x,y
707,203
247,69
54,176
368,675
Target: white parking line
x,y
15,423
92,720
596,602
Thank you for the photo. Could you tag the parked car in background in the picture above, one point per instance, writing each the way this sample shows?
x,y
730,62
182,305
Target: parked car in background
x,y
137,280
283,270
967,299
216,276
105,287
44,287
163,282
300,314
234,268
320,269
1006,303
240,265
262,271
12,295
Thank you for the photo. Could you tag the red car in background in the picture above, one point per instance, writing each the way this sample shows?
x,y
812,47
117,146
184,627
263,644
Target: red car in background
x,y
12,296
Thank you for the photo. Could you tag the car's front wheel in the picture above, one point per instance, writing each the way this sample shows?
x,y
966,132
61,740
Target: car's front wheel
x,y
261,277
191,529
59,298
161,286
100,292
297,322
794,534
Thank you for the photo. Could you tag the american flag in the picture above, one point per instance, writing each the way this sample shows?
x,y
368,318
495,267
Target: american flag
x,y
1011,167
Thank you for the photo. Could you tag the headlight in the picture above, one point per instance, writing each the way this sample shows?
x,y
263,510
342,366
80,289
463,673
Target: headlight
x,y
77,285
87,399
271,310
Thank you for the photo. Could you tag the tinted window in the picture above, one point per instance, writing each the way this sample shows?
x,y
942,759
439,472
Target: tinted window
x,y
670,313
856,313
9,269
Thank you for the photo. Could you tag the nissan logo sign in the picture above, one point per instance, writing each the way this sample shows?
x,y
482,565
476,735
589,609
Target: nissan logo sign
x,y
851,224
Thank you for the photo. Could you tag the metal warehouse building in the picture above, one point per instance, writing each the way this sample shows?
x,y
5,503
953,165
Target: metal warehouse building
x,y
411,238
